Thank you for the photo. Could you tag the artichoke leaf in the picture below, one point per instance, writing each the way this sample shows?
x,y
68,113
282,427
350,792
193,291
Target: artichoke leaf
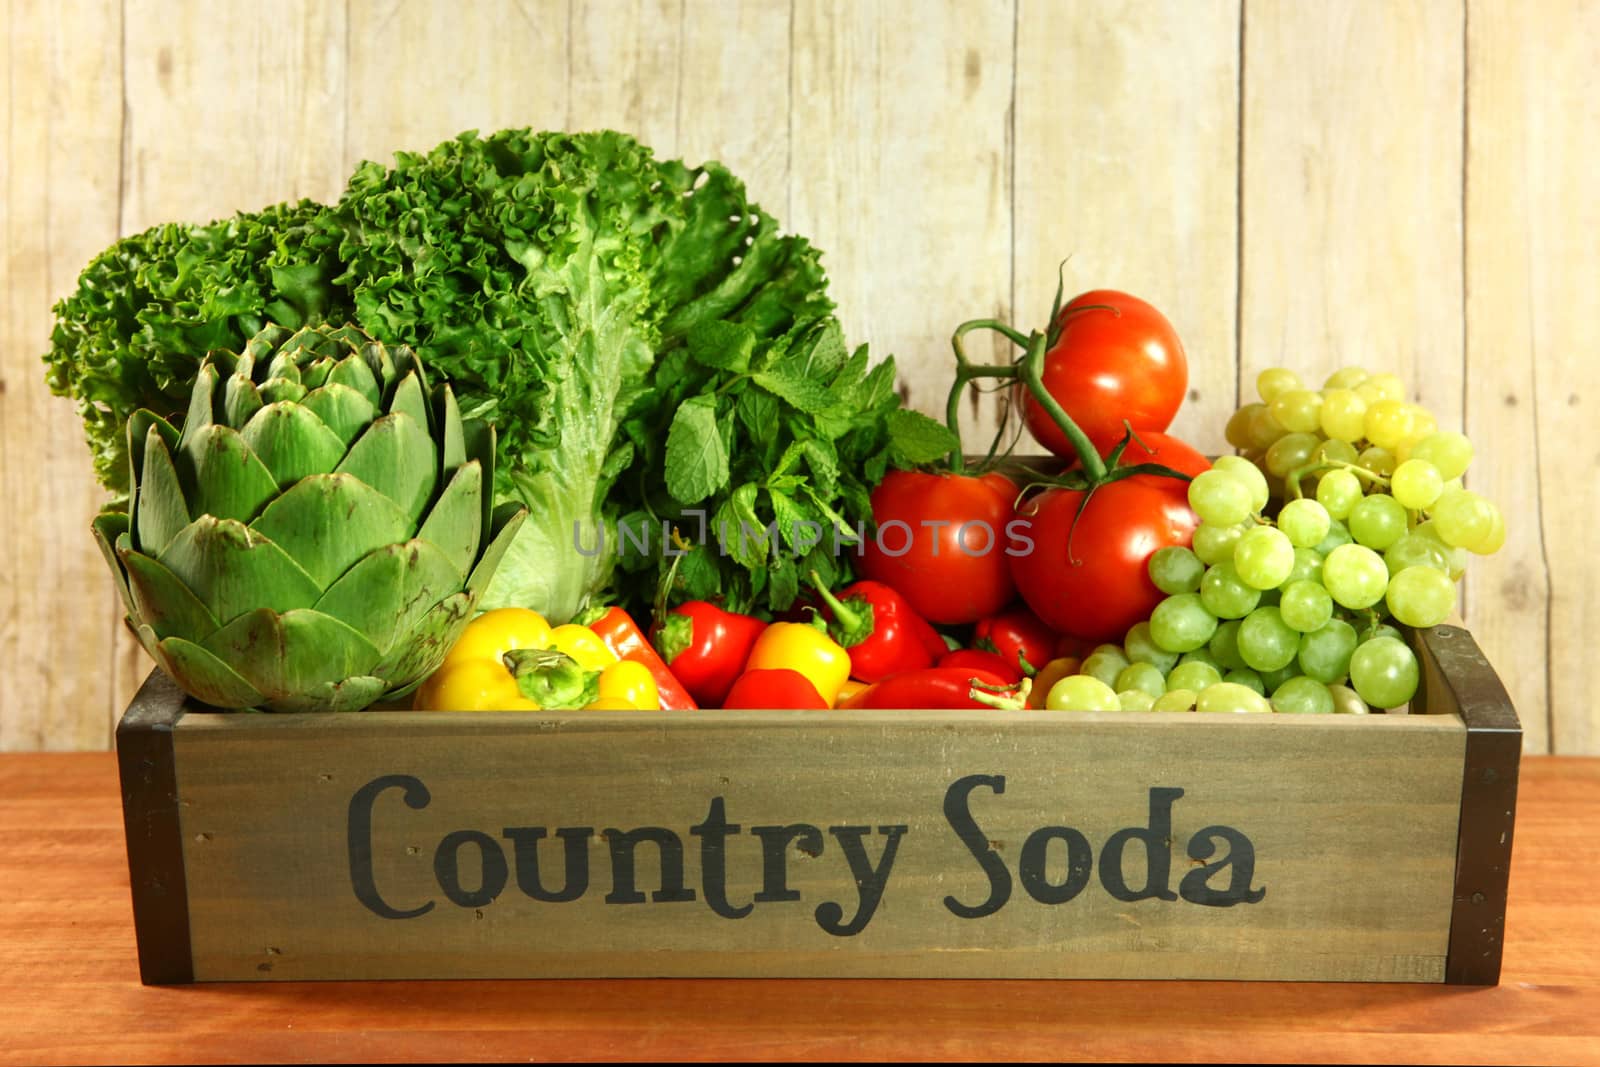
x,y
503,526
109,527
409,399
396,457
455,525
240,400
139,424
385,594
164,603
343,410
447,421
326,522
286,655
350,694
232,569
292,442
421,649
159,509
204,676
355,374
199,415
222,477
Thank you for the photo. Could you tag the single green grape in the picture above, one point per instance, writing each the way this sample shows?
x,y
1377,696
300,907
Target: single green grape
x,y
1416,484
1199,655
1335,452
1146,676
1135,700
1375,460
1325,653
1248,473
1345,378
1384,672
1304,522
1080,692
1421,596
1224,594
1343,414
1219,498
1224,646
1273,680
1176,569
1307,567
1246,677
1416,550
1181,623
1388,423
1299,410
1266,642
1214,544
1193,675
1275,380
1104,665
1382,386
1347,702
1455,558
1355,575
1492,541
1264,429
1142,647
1237,431
1291,452
1338,491
1263,557
1231,697
1462,517
1378,521
1448,451
1175,700
1306,606
1302,696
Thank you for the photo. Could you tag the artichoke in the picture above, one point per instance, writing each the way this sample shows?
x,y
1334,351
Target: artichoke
x,y
318,534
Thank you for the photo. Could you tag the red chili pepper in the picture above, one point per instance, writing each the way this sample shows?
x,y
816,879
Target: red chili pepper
x,y
978,659
624,638
706,647
882,632
777,687
1020,636
934,687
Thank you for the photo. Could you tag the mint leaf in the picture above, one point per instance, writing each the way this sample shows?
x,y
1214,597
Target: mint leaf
x,y
758,411
783,586
792,519
738,532
803,393
915,438
697,457
722,345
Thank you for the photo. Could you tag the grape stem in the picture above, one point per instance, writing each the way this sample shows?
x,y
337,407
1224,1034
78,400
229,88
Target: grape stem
x,y
1292,482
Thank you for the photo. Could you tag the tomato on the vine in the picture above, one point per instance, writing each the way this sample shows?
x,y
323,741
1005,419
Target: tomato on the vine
x,y
941,542
1151,447
1116,359
1087,574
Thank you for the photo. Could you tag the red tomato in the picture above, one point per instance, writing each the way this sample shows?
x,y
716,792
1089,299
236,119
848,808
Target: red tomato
x,y
1107,367
941,543
1102,586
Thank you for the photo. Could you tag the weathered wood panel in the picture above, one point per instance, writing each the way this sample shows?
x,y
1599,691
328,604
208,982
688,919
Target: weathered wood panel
x,y
1533,267
773,843
61,101
945,165
1127,167
901,174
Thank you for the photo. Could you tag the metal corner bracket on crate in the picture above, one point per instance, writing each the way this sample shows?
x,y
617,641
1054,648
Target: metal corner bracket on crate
x,y
850,844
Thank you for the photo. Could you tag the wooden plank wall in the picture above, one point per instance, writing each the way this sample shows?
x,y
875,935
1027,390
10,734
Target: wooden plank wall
x,y
1401,185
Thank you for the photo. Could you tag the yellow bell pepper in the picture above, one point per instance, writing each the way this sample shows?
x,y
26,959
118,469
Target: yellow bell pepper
x,y
511,659
803,647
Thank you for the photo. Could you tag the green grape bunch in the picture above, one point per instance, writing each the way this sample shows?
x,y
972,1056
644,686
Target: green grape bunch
x,y
1343,514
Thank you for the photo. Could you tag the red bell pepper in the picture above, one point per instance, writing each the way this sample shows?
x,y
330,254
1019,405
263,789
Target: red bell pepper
x,y
706,647
934,687
1020,637
978,659
623,637
882,632
776,687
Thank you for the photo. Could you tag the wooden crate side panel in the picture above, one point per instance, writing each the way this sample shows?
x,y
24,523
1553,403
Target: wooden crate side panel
x,y
1349,828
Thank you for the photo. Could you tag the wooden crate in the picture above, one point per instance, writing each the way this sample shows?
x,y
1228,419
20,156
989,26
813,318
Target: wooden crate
x,y
914,844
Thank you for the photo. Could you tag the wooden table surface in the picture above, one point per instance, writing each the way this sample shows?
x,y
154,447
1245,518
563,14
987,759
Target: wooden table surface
x,y
70,992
